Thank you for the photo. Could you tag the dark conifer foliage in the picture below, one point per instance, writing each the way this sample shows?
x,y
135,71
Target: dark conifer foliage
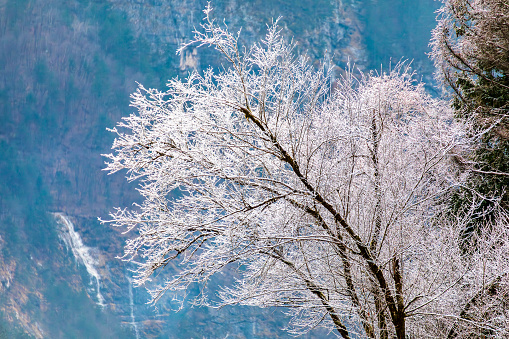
x,y
471,52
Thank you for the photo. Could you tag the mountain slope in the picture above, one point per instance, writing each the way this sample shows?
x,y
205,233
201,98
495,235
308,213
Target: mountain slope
x,y
67,68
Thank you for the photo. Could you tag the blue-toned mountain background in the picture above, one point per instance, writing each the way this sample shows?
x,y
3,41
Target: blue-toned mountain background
x,y
67,68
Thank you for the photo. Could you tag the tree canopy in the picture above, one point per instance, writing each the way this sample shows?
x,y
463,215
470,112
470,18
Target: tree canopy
x,y
327,198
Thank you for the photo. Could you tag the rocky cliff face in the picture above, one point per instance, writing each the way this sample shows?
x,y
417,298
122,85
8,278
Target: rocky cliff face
x,y
67,68
321,28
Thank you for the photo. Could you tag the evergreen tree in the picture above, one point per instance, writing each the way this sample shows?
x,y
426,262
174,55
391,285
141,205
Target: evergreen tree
x,y
471,52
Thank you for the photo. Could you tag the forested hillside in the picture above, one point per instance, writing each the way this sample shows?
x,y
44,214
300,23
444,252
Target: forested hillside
x,y
67,69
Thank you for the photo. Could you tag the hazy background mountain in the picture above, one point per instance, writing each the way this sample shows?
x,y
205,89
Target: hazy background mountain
x,y
67,68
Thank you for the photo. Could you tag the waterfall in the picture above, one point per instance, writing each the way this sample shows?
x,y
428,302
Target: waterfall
x,y
81,252
131,303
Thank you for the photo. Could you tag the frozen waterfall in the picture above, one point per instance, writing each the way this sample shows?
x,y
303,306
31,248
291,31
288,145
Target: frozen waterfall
x,y
81,252
131,303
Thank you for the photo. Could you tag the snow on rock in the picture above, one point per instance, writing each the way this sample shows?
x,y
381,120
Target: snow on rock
x,y
81,252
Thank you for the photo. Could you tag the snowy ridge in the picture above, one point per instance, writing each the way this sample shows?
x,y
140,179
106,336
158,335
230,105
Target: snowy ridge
x,y
81,252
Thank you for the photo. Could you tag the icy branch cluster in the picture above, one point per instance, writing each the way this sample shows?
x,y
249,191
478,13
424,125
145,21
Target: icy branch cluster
x,y
327,197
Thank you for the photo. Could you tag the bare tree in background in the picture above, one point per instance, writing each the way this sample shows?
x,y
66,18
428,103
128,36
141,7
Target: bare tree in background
x,y
329,200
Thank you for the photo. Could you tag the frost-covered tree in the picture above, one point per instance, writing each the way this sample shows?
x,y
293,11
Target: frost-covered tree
x,y
327,198
471,52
